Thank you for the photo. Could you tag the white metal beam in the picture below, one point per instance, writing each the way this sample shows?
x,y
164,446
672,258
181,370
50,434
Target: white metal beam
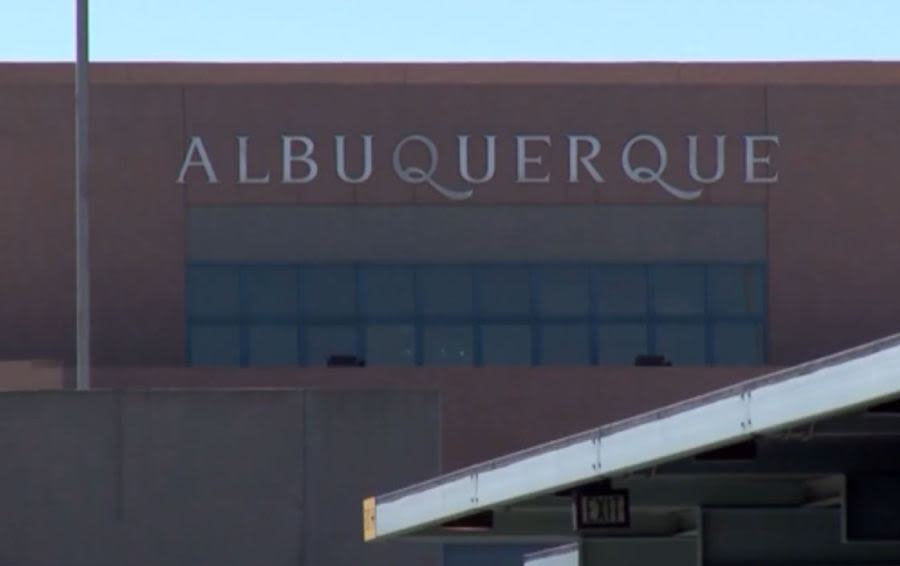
x,y
818,390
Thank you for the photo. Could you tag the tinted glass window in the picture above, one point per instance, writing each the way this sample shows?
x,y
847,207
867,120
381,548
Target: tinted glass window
x,y
448,345
272,345
390,344
736,290
445,290
324,341
506,344
620,344
505,291
388,291
679,290
681,344
564,291
564,344
215,345
432,314
271,292
328,292
213,291
621,290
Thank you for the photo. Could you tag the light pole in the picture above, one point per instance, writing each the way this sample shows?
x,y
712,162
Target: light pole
x,y
82,261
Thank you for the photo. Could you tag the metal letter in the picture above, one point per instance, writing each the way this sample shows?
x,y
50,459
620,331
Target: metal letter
x,y
197,146
288,158
574,158
523,160
693,160
340,151
490,158
243,178
751,160
415,175
644,174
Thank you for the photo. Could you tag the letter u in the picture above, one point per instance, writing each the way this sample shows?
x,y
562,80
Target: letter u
x,y
340,151
693,160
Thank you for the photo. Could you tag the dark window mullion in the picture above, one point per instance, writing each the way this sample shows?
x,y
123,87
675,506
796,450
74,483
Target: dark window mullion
x,y
593,353
359,302
707,324
299,319
418,319
651,310
534,289
764,282
243,317
477,324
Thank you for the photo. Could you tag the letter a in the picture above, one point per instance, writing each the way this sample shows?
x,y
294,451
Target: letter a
x,y
202,160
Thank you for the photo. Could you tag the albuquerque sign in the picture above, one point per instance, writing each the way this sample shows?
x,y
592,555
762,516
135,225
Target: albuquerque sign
x,y
643,159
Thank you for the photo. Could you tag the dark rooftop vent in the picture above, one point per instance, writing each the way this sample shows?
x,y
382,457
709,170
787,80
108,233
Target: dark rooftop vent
x,y
345,361
651,360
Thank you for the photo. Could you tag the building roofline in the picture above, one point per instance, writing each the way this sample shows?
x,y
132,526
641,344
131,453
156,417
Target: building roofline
x,y
837,73
826,387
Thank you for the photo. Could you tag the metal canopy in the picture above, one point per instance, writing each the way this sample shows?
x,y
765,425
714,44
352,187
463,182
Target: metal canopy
x,y
780,447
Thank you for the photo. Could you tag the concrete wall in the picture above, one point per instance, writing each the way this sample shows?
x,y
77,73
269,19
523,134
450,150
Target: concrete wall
x,y
213,477
485,412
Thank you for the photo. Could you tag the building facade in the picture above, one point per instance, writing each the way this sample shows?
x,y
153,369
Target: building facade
x,y
511,235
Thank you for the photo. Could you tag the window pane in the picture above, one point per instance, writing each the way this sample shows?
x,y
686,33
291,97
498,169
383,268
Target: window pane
x,y
445,290
681,344
325,341
328,291
506,344
738,343
564,291
272,345
271,291
388,291
621,290
736,290
564,344
448,345
505,291
678,290
213,291
215,345
619,344
390,345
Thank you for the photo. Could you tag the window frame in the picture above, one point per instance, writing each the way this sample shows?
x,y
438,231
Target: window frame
x,y
479,318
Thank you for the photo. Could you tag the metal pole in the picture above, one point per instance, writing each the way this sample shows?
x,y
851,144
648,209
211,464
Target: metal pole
x,y
82,263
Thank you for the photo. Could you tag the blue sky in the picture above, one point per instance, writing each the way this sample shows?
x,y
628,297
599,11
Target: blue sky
x,y
455,30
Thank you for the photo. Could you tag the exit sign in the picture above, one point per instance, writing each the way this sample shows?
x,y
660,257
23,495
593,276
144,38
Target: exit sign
x,y
601,510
